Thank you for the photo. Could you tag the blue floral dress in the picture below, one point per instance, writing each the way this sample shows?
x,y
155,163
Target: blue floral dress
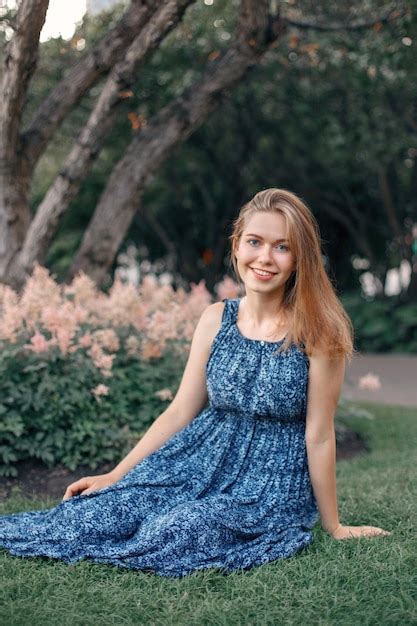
x,y
231,490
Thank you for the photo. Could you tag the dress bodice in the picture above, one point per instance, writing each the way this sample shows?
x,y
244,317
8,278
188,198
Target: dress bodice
x,y
248,376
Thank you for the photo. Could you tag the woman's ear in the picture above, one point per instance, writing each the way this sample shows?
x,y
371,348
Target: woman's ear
x,y
235,246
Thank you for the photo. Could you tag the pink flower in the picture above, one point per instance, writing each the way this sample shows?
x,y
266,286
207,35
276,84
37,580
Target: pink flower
x,y
370,382
106,361
11,316
63,338
80,316
198,299
102,361
85,340
199,288
38,343
82,288
132,345
100,390
151,350
227,288
40,288
107,339
164,394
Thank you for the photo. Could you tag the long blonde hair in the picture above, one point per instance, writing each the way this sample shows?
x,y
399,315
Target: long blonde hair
x,y
317,319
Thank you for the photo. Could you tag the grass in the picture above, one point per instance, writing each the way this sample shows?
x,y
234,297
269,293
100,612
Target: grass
x,y
359,582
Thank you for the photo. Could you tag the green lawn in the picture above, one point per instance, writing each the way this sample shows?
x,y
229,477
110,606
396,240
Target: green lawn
x,y
358,581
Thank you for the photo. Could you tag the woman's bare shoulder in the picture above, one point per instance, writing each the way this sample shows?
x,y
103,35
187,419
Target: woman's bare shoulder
x,y
212,317
209,325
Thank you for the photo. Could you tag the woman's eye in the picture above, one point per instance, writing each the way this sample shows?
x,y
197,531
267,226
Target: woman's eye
x,y
254,242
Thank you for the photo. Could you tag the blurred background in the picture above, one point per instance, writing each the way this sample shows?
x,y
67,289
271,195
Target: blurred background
x,y
330,112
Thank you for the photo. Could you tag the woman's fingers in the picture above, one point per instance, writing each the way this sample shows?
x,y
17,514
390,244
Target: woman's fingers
x,y
374,530
351,532
76,487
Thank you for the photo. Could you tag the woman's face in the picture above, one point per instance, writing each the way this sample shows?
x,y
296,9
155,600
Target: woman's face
x,y
264,259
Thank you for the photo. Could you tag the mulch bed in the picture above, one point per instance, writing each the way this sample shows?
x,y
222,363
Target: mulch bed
x,y
34,480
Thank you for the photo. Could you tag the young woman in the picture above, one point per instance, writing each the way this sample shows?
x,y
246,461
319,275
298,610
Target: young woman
x,y
241,465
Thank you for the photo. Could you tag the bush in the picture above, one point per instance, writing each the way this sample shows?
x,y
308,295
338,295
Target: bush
x,y
387,325
84,373
57,409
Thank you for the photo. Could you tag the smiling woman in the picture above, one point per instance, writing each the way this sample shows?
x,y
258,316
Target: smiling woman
x,y
276,250
238,469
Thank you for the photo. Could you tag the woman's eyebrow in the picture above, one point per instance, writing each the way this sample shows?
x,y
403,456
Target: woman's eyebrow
x,y
259,237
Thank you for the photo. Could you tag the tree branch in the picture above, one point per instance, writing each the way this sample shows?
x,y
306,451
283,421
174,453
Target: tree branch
x,y
256,30
390,16
69,91
20,61
87,147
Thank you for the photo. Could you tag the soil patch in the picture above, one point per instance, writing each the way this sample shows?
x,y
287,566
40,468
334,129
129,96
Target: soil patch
x,y
34,480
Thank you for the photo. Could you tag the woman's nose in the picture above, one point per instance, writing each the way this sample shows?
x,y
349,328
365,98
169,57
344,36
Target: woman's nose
x,y
265,254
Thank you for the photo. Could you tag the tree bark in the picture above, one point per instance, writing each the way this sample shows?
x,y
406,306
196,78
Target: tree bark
x,y
21,56
170,127
392,14
20,153
89,143
86,73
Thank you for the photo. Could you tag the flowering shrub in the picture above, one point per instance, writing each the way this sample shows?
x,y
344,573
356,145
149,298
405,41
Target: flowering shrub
x,y
370,382
82,372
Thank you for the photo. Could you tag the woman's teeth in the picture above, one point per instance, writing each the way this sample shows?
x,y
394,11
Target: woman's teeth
x,y
262,273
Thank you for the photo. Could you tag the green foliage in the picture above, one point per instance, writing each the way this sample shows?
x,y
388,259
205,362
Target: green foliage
x,y
319,115
383,325
48,411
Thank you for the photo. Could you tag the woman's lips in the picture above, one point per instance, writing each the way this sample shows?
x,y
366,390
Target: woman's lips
x,y
260,276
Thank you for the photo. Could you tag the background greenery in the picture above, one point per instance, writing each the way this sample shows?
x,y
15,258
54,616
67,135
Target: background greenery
x,y
330,115
382,324
47,410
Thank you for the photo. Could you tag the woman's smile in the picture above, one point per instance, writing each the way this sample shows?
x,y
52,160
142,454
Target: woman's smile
x,y
262,274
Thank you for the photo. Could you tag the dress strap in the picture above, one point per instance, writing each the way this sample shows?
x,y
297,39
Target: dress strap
x,y
231,306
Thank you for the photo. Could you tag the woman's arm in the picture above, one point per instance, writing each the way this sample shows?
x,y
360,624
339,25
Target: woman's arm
x,y
189,400
325,383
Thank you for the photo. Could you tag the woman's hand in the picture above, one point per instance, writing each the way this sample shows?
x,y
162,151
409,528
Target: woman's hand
x,y
89,484
350,532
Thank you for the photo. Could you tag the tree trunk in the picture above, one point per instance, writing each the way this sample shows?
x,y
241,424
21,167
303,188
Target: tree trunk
x,y
20,153
21,56
84,75
88,145
173,125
